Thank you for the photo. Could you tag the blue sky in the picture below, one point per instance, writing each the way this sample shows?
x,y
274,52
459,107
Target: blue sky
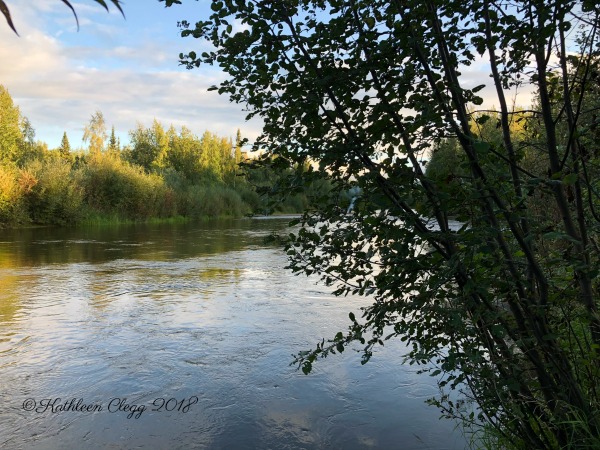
x,y
126,68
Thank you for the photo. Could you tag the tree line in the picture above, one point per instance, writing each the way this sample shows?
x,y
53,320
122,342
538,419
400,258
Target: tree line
x,y
161,173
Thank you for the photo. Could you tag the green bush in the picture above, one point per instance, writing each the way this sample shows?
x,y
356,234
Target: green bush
x,y
212,201
250,197
112,185
57,197
12,205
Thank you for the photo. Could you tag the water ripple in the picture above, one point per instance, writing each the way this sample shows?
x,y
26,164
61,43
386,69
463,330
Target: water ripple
x,y
179,313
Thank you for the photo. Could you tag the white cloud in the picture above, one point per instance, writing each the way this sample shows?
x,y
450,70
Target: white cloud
x,y
129,70
60,86
479,72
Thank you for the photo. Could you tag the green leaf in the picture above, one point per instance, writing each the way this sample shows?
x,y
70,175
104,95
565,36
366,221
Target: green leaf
x,y
557,235
306,367
480,120
480,146
570,179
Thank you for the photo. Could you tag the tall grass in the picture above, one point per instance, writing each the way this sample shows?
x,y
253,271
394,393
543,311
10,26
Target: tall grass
x,y
95,219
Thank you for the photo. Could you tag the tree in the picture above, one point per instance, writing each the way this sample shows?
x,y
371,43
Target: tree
x,y
65,148
113,143
150,146
216,156
505,309
6,12
17,135
29,148
238,147
161,142
95,132
11,132
185,152
448,168
143,151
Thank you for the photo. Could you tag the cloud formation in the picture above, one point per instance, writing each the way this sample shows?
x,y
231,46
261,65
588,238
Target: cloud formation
x,y
59,77
129,70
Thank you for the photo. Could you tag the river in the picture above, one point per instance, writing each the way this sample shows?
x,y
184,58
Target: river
x,y
181,336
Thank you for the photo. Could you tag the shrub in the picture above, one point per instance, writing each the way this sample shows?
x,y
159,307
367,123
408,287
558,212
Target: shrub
x,y
112,185
56,197
12,208
212,201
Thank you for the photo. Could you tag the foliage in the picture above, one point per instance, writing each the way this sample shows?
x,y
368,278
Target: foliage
x,y
114,145
238,147
284,188
17,135
147,144
161,174
505,309
151,147
56,197
95,132
201,158
448,168
12,190
65,148
11,134
112,185
212,201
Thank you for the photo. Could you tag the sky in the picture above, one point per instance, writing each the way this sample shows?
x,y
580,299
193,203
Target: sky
x,y
127,68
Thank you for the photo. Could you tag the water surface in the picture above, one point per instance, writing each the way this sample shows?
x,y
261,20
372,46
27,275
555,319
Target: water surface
x,y
203,317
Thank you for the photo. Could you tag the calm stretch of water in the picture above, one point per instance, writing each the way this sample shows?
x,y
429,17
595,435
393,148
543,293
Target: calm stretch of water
x,y
181,337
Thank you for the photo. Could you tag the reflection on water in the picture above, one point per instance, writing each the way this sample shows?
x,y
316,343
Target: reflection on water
x,y
203,317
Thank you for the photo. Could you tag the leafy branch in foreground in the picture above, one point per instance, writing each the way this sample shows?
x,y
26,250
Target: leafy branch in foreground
x,y
505,307
6,12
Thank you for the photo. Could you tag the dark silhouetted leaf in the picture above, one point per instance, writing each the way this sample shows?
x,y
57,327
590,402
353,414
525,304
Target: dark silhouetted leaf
x,y
6,12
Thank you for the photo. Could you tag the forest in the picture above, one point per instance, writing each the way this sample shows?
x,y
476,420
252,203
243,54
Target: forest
x,y
162,173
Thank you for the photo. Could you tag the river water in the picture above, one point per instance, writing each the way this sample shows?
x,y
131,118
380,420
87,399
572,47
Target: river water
x,y
181,336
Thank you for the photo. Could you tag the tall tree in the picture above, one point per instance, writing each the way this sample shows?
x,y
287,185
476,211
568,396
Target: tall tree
x,y
238,147
11,132
95,133
185,152
29,148
113,143
504,308
65,147
161,143
150,146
